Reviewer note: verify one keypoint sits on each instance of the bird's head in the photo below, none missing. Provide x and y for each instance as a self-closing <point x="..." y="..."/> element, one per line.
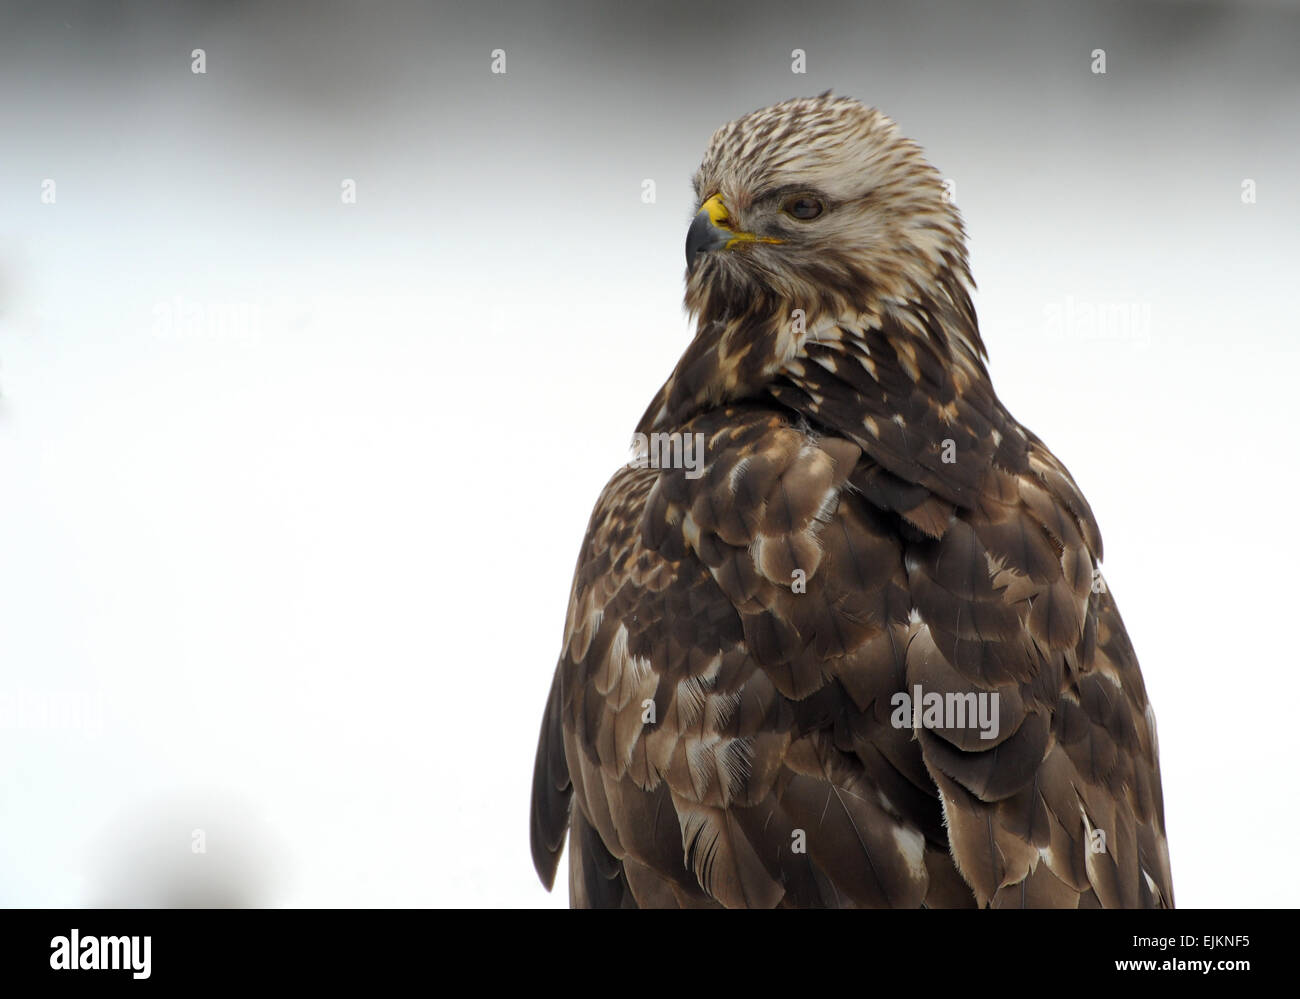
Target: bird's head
<point x="817" y="226"/>
<point x="818" y="203"/>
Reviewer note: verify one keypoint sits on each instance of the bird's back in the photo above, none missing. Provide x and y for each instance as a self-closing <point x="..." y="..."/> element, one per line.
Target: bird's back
<point x="727" y="713"/>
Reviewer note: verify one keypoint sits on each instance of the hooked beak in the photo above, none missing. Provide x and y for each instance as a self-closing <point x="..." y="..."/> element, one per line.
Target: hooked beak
<point x="711" y="231"/>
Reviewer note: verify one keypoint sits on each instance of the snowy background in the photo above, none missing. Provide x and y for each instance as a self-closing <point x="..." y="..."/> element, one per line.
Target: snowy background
<point x="291" y="489"/>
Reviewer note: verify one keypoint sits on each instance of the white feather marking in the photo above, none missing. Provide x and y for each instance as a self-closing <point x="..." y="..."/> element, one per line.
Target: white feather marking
<point x="911" y="844"/>
<point x="733" y="480"/>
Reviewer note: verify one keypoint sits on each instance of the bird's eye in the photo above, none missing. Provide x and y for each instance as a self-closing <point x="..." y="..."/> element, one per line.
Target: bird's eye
<point x="803" y="207"/>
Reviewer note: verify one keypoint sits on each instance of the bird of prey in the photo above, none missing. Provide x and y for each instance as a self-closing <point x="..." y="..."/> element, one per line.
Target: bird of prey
<point x="838" y="636"/>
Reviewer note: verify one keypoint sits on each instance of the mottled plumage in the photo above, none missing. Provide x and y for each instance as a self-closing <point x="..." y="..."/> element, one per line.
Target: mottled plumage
<point x="868" y="519"/>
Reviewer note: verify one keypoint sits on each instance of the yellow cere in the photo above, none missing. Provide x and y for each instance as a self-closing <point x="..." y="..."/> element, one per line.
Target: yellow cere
<point x="719" y="215"/>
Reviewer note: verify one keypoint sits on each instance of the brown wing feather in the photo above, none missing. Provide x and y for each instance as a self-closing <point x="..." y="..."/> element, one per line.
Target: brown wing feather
<point x="768" y="773"/>
<point x="1005" y="603"/>
<point x="728" y="734"/>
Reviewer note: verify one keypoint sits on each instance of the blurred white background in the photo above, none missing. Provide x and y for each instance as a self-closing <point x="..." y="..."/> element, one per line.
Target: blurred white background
<point x="291" y="489"/>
